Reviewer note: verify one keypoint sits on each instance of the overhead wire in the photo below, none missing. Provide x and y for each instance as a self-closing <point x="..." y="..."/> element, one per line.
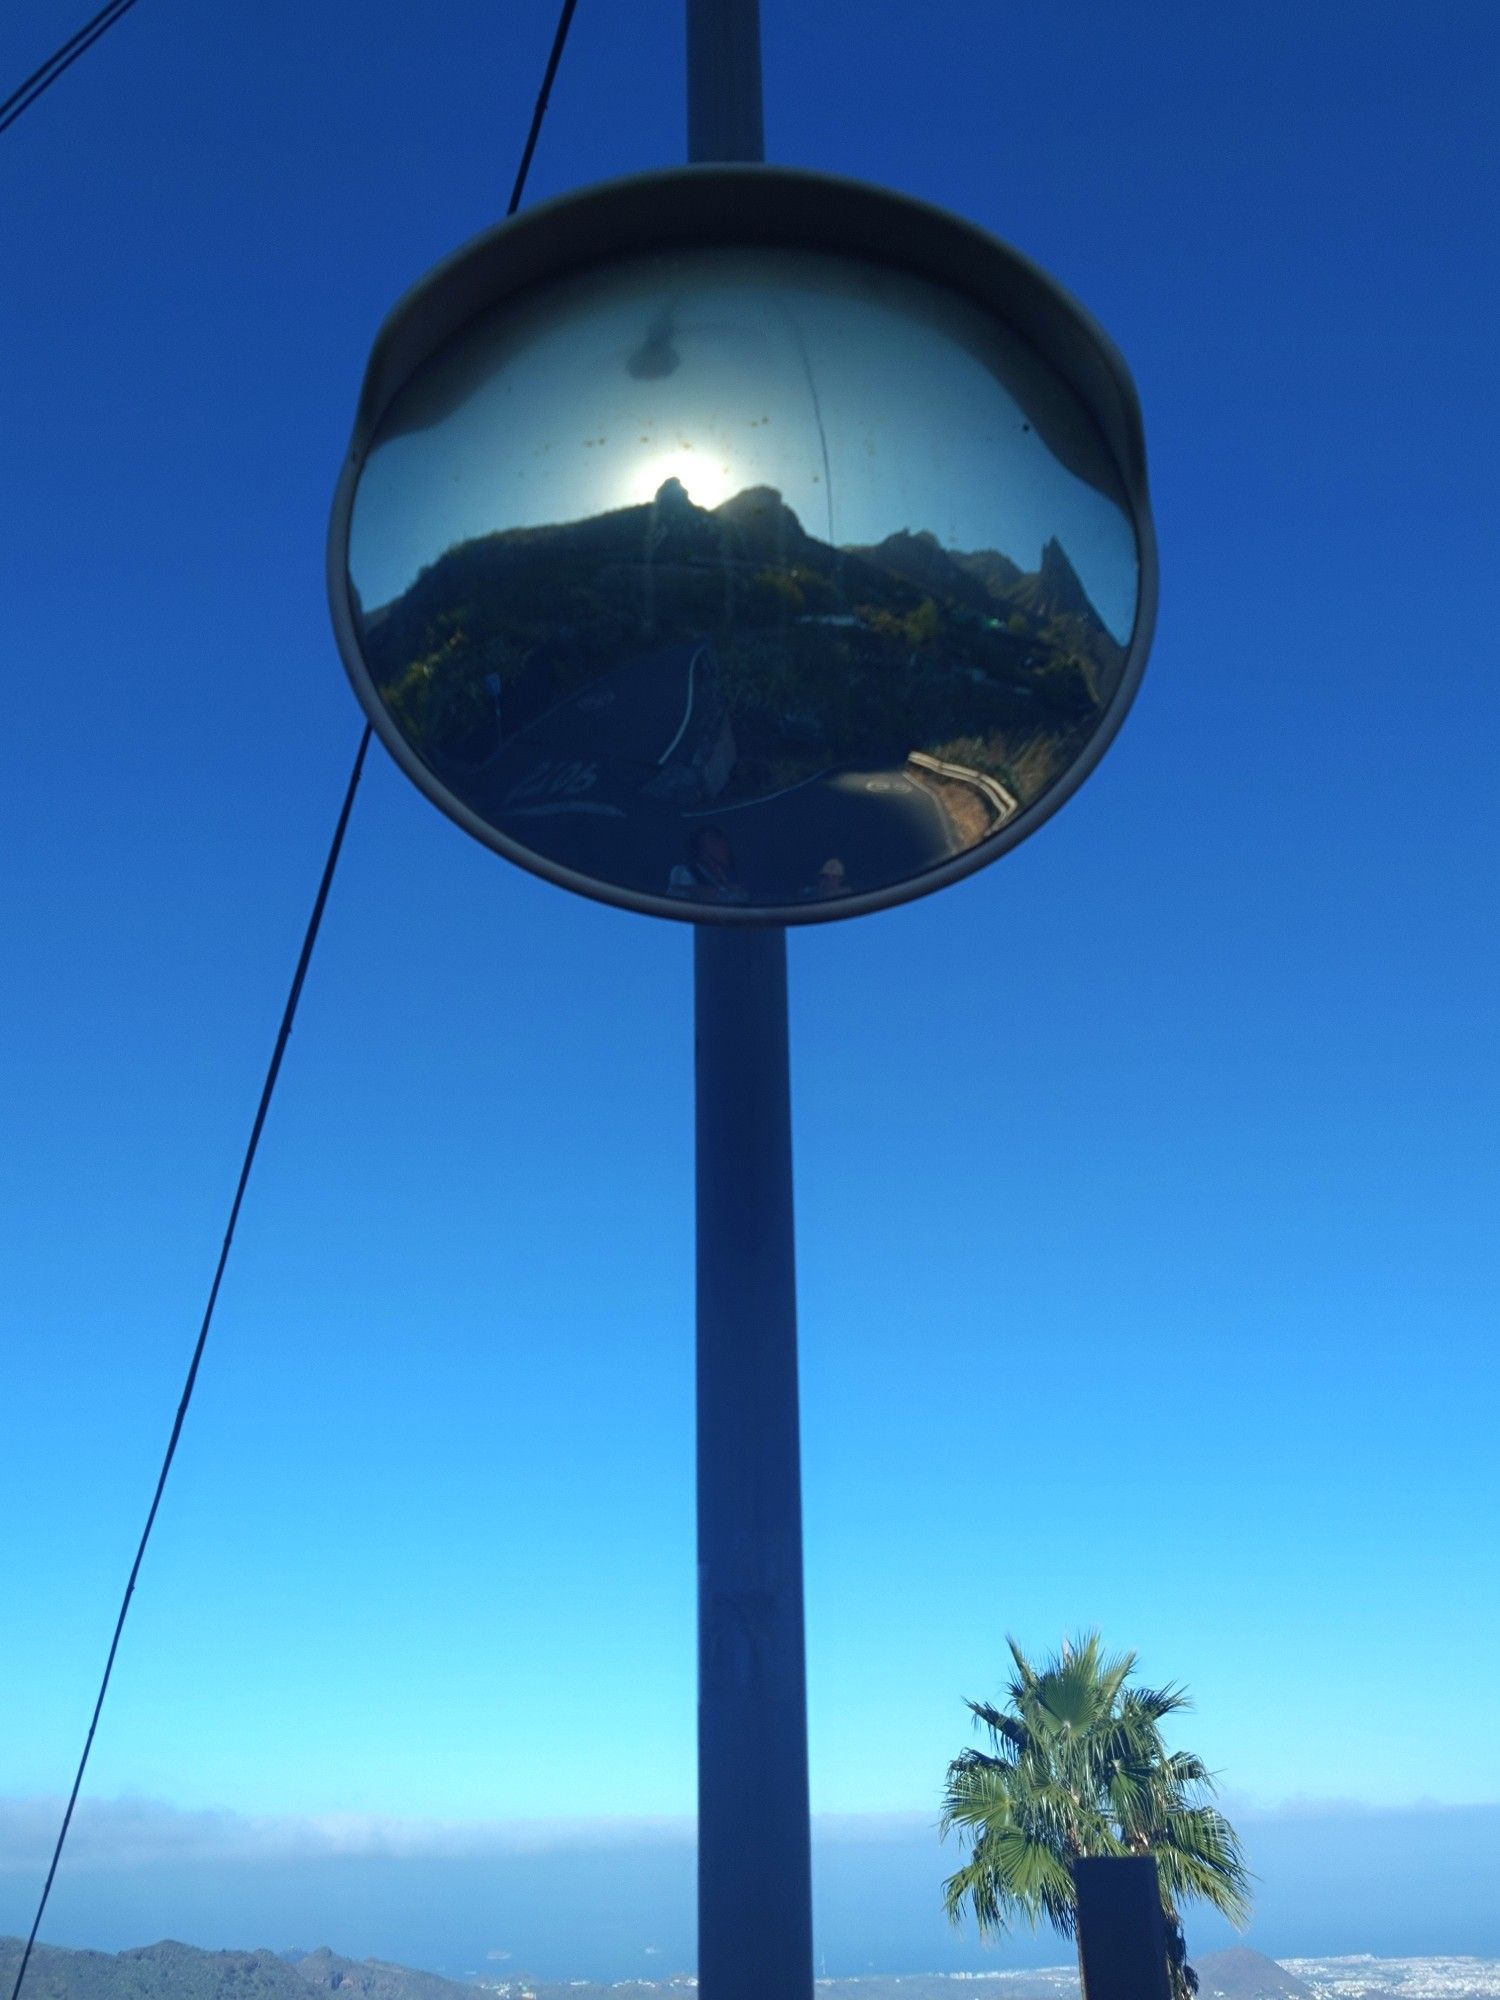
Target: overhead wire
<point x="289" y="1013"/>
<point x="273" y="1071"/>
<point x="46" y="74"/>
<point x="543" y="98"/>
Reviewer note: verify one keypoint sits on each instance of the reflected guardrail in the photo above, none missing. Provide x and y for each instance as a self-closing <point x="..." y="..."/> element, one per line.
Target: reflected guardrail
<point x="1005" y="803"/>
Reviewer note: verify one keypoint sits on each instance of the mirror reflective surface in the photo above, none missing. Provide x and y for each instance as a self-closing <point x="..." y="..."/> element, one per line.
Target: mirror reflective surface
<point x="742" y="576"/>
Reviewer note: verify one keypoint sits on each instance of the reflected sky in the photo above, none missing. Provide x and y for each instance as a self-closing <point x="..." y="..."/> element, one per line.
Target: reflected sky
<point x="870" y="400"/>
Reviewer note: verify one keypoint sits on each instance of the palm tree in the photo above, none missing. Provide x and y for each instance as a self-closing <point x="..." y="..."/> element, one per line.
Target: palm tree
<point x="1078" y="1767"/>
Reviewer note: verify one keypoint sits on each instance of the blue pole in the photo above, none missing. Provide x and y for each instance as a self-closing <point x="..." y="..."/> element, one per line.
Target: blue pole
<point x="754" y="1864"/>
<point x="723" y="80"/>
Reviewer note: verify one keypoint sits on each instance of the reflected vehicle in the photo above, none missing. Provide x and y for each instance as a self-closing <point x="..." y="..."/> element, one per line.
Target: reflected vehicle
<point x="742" y="576"/>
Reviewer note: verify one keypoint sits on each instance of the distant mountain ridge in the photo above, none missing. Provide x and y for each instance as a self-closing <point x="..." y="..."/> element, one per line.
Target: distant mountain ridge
<point x="173" y="1971"/>
<point x="756" y="527"/>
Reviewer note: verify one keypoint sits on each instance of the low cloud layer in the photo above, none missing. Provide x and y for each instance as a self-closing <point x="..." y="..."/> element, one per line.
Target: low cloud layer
<point x="137" y="1832"/>
<point x="602" y="1899"/>
<point x="134" y="1833"/>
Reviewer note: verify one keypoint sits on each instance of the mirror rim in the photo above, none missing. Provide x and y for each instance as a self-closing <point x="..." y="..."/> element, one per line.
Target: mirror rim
<point x="766" y="207"/>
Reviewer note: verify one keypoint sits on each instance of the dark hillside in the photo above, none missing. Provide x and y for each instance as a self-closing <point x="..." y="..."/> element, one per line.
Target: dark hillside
<point x="1242" y="1974"/>
<point x="824" y="657"/>
<point x="922" y="561"/>
<point x="374" y="1979"/>
<point x="165" y="1971"/>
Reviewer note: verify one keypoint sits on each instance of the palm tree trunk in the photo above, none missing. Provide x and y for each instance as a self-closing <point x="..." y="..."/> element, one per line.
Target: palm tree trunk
<point x="1183" y="1979"/>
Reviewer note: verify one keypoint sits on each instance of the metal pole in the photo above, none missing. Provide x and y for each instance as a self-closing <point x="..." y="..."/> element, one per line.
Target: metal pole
<point x="723" y="76"/>
<point x="754" y="1867"/>
<point x="754" y="1863"/>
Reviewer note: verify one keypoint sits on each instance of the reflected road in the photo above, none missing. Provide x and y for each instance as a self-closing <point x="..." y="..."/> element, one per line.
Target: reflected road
<point x="618" y="781"/>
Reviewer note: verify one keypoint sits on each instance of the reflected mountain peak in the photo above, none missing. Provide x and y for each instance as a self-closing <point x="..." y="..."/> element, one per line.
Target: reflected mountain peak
<point x="755" y="503"/>
<point x="1055" y="589"/>
<point x="949" y="575"/>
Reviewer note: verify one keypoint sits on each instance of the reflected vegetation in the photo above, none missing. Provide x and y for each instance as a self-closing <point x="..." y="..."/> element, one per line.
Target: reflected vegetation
<point x="741" y="576"/>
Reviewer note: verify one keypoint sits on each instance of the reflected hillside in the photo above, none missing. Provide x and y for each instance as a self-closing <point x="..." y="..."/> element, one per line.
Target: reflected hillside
<point x="798" y="658"/>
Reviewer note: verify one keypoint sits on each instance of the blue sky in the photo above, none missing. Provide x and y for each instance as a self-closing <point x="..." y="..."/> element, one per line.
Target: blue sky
<point x="1145" y="1181"/>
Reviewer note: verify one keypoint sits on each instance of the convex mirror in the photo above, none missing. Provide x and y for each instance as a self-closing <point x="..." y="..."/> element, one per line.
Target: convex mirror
<point x="738" y="544"/>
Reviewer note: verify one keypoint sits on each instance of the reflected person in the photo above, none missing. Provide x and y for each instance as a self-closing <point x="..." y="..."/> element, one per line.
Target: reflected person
<point x="830" y="880"/>
<point x="708" y="875"/>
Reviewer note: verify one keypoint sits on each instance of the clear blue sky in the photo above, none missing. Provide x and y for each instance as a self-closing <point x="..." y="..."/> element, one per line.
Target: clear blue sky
<point x="1146" y="1182"/>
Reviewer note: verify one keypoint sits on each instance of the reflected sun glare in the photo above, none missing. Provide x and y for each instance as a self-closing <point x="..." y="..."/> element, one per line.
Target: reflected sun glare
<point x="704" y="473"/>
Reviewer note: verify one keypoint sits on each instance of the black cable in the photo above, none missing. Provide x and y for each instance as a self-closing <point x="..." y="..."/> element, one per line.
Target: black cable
<point x="42" y="78"/>
<point x="46" y="74"/>
<point x="287" y="1017"/>
<point x="565" y="20"/>
<point x="56" y="55"/>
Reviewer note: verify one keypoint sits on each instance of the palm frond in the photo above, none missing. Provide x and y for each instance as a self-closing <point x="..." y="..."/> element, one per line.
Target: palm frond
<point x="1155" y="1703"/>
<point x="1003" y="1728"/>
<point x="1012" y="1877"/>
<point x="1184" y="1769"/>
<point x="1198" y="1855"/>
